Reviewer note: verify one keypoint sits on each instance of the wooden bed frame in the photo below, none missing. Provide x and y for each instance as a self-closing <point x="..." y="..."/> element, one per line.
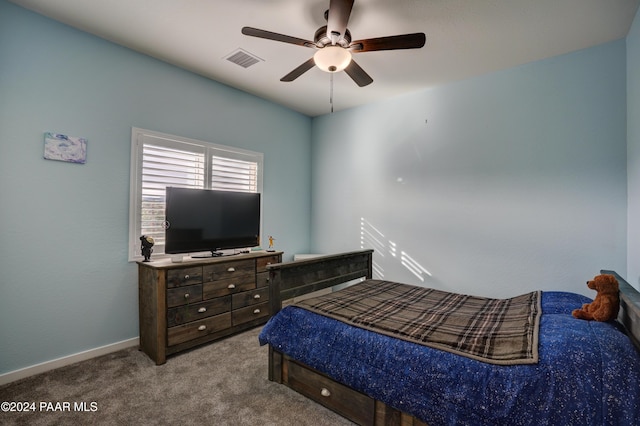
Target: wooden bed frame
<point x="293" y="279"/>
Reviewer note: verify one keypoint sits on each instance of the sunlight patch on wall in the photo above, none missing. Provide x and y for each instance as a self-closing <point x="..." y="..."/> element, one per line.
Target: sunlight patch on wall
<point x="377" y="270"/>
<point x="413" y="266"/>
<point x="372" y="238"/>
<point x="392" y="249"/>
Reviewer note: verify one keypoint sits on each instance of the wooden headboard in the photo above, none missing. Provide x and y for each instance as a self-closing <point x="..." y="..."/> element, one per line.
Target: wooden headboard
<point x="292" y="279"/>
<point x="629" y="315"/>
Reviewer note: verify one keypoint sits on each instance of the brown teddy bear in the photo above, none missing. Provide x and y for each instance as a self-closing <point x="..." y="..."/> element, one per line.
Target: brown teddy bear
<point x="607" y="302"/>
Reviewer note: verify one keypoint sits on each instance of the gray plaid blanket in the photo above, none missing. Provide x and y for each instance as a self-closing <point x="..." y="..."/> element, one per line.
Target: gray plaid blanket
<point x="497" y="331"/>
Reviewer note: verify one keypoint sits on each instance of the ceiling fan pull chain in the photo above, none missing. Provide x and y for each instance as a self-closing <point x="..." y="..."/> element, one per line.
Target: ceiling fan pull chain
<point x="331" y="91"/>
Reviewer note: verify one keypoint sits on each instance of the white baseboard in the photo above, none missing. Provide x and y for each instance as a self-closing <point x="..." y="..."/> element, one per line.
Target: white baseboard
<point x="12" y="376"/>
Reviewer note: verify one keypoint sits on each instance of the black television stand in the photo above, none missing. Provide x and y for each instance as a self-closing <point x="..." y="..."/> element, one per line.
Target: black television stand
<point x="213" y="254"/>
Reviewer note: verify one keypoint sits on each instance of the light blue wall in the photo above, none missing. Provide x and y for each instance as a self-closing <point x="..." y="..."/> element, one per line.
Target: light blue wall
<point x="633" y="151"/>
<point x="65" y="283"/>
<point x="496" y="185"/>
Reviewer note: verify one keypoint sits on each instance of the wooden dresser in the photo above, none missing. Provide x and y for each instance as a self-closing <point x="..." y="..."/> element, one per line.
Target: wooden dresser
<point x="182" y="305"/>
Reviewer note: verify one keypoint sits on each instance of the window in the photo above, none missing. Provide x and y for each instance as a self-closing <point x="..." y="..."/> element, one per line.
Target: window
<point x="159" y="160"/>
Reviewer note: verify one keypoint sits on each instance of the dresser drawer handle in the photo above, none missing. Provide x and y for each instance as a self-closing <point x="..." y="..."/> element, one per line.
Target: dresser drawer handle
<point x="202" y="328"/>
<point x="186" y="295"/>
<point x="231" y="286"/>
<point x="186" y="277"/>
<point x="325" y="392"/>
<point x="202" y="310"/>
<point x="256" y="311"/>
<point x="256" y="296"/>
<point x="231" y="269"/>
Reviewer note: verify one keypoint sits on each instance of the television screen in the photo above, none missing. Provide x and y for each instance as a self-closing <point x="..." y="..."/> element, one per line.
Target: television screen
<point x="200" y="220"/>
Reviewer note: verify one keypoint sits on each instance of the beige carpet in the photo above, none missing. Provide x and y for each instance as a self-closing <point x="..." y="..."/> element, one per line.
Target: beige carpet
<point x="223" y="383"/>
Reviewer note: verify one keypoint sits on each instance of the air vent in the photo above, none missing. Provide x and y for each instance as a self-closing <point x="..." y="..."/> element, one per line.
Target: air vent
<point x="243" y="58"/>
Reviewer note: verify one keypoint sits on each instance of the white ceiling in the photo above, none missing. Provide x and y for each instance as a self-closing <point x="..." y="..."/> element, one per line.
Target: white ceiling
<point x="465" y="38"/>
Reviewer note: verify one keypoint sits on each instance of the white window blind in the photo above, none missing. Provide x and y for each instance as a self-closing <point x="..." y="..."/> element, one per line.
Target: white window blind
<point x="160" y="160"/>
<point x="234" y="175"/>
<point x="162" y="167"/>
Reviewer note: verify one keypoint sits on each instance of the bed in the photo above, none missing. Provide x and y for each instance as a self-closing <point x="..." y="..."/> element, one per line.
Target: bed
<point x="582" y="372"/>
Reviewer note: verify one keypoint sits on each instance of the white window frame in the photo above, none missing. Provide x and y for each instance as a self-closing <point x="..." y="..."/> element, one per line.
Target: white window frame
<point x="141" y="136"/>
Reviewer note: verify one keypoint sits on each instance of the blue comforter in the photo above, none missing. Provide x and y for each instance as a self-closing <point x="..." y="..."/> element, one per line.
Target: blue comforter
<point x="588" y="374"/>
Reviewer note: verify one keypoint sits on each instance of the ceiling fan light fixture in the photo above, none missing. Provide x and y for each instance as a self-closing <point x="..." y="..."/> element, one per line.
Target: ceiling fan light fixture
<point x="332" y="58"/>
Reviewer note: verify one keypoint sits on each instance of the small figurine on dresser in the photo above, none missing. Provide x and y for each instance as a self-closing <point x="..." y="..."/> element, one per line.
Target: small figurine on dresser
<point x="271" y="240"/>
<point x="147" y="244"/>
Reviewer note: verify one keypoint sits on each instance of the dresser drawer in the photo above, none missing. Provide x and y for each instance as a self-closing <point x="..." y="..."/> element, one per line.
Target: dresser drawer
<point x="263" y="262"/>
<point x="196" y="329"/>
<point x="183" y="295"/>
<point x="229" y="269"/>
<point x="247" y="298"/>
<point x="184" y="276"/>
<point x="228" y="286"/>
<point x="196" y="311"/>
<point x="333" y="395"/>
<point x="262" y="279"/>
<point x="250" y="313"/>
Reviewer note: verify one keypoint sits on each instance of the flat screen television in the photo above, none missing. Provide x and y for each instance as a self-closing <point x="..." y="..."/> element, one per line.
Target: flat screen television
<point x="203" y="220"/>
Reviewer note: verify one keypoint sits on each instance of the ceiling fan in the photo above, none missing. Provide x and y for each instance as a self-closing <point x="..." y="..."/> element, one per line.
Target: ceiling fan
<point x="335" y="47"/>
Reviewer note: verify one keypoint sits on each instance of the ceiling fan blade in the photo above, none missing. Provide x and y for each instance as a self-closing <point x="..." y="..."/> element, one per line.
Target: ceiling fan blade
<point x="299" y="71"/>
<point x="357" y="74"/>
<point x="338" y="18"/>
<point x="255" y="32"/>
<point x="404" y="41"/>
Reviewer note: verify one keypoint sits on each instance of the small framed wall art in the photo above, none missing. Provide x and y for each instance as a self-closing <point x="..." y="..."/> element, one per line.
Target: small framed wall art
<point x="59" y="147"/>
